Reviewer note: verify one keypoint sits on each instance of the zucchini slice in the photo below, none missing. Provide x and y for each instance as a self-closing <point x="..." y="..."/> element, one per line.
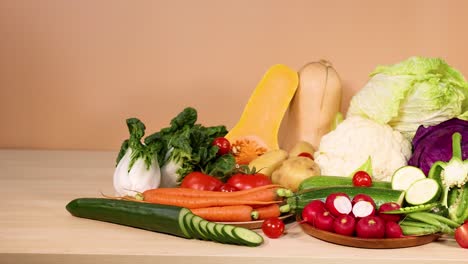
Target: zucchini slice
<point x="423" y="191"/>
<point x="405" y="176"/>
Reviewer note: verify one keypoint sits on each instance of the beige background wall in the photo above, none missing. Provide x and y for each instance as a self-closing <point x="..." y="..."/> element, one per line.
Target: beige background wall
<point x="71" y="72"/>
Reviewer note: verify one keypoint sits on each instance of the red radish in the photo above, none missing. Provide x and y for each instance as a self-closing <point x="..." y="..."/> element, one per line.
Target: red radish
<point x="363" y="197"/>
<point x="362" y="209"/>
<point x="324" y="221"/>
<point x="370" y="227"/>
<point x="393" y="230"/>
<point x="338" y="204"/>
<point x="390" y="206"/>
<point x="311" y="210"/>
<point x="344" y="225"/>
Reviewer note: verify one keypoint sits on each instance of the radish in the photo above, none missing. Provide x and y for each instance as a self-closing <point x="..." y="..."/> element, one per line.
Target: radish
<point x="363" y="197"/>
<point x="370" y="227"/>
<point x="324" y="221"/>
<point x="390" y="206"/>
<point x="338" y="204"/>
<point x="344" y="225"/>
<point x="362" y="209"/>
<point x="393" y="230"/>
<point x="311" y="210"/>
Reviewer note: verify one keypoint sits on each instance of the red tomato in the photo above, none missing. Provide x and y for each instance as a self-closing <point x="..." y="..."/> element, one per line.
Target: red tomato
<point x="223" y="145"/>
<point x="227" y="188"/>
<point x="461" y="235"/>
<point x="306" y="154"/>
<point x="248" y="181"/>
<point x="273" y="227"/>
<point x="362" y="178"/>
<point x="200" y="181"/>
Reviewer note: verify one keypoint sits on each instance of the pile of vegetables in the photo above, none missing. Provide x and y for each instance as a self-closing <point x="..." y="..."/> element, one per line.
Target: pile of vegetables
<point x="397" y="165"/>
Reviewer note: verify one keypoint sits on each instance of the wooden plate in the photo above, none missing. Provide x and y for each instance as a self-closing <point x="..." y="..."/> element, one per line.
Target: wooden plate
<point x="254" y="224"/>
<point x="368" y="242"/>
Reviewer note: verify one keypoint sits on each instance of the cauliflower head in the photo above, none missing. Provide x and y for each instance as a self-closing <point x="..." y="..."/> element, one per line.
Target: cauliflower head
<point x="347" y="147"/>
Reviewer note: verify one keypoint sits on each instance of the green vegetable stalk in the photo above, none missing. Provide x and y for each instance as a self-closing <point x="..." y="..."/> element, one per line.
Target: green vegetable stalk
<point x="453" y="177"/>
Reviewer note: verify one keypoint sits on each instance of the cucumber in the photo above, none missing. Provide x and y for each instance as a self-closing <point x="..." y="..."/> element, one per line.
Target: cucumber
<point x="405" y="176"/>
<point x="423" y="191"/>
<point x="188" y="226"/>
<point x="328" y="181"/>
<point x="155" y="217"/>
<point x="161" y="218"/>
<point x="229" y="234"/>
<point x="247" y="237"/>
<point x="195" y="225"/>
<point x="379" y="195"/>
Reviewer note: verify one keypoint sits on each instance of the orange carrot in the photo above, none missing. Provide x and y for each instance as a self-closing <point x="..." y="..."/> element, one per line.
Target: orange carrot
<point x="199" y="193"/>
<point x="199" y="202"/>
<point x="264" y="212"/>
<point x="231" y="213"/>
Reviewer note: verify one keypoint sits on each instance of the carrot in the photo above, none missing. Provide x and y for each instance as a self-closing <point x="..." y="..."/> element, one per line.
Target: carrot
<point x="199" y="202"/>
<point x="199" y="193"/>
<point x="268" y="211"/>
<point x="264" y="212"/>
<point x="231" y="213"/>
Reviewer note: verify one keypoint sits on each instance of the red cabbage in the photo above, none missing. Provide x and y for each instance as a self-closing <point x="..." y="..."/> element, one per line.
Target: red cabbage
<point x="434" y="143"/>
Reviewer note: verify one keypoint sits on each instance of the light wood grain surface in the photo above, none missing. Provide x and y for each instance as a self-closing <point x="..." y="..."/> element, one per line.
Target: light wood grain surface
<point x="36" y="228"/>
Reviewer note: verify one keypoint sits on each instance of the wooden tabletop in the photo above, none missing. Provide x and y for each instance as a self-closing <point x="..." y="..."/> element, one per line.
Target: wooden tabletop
<point x="36" y="228"/>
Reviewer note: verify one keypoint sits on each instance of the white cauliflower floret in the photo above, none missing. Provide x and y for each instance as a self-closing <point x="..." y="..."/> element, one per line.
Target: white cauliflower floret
<point x="346" y="148"/>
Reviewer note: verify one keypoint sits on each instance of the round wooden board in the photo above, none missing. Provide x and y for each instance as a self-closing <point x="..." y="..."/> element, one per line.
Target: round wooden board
<point x="372" y="243"/>
<point x="254" y="224"/>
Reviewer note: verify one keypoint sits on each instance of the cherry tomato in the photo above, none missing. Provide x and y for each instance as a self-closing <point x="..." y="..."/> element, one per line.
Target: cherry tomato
<point x="243" y="181"/>
<point x="200" y="181"/>
<point x="227" y="188"/>
<point x="273" y="227"/>
<point x="362" y="178"/>
<point x="461" y="235"/>
<point x="306" y="154"/>
<point x="223" y="145"/>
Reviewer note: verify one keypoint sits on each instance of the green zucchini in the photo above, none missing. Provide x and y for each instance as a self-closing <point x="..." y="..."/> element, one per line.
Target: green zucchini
<point x="166" y="219"/>
<point x="423" y="191"/>
<point x="379" y="195"/>
<point x="329" y="181"/>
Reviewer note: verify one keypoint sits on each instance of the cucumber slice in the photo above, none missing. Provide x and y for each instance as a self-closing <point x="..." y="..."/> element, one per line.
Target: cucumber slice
<point x="204" y="228"/>
<point x="219" y="231"/>
<point x="228" y="231"/>
<point x="423" y="191"/>
<point x="405" y="176"/>
<point x="211" y="229"/>
<point x="188" y="224"/>
<point x="247" y="237"/>
<point x="197" y="231"/>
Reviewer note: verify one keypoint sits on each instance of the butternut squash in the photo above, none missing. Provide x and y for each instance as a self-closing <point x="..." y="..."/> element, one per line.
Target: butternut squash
<point x="315" y="105"/>
<point x="257" y="130"/>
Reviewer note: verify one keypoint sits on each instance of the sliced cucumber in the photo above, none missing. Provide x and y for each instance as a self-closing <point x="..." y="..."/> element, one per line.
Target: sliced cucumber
<point x="422" y="191"/>
<point x="211" y="228"/>
<point x="188" y="225"/>
<point x="198" y="232"/>
<point x="228" y="231"/>
<point x="405" y="176"/>
<point x="247" y="237"/>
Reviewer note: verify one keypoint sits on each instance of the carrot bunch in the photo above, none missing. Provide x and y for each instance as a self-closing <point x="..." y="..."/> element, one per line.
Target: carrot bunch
<point x="246" y="205"/>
